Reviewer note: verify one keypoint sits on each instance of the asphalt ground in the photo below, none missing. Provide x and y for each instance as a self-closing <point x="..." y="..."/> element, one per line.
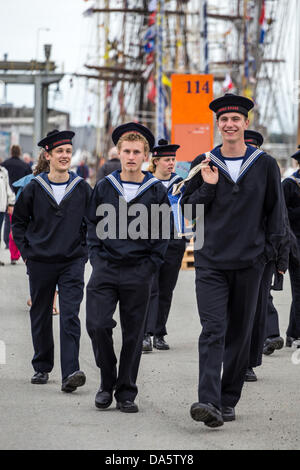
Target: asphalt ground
<point x="42" y="417"/>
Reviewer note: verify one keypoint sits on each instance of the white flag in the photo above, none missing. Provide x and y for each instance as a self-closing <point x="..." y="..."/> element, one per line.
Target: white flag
<point x="227" y="84"/>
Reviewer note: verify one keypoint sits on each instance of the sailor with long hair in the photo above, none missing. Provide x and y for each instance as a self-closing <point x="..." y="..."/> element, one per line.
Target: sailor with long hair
<point x="162" y="166"/>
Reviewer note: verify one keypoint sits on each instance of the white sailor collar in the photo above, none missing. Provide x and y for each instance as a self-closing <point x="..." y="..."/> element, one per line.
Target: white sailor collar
<point x="251" y="155"/>
<point x="115" y="180"/>
<point x="174" y="177"/>
<point x="44" y="182"/>
<point x="295" y="177"/>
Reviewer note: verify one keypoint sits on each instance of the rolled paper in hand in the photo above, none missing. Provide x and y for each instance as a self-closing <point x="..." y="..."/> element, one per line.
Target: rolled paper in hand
<point x="177" y="187"/>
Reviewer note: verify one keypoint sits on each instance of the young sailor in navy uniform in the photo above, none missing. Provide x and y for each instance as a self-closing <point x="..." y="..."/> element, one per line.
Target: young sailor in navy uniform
<point x="253" y="138"/>
<point x="243" y="223"/>
<point x="264" y="304"/>
<point x="162" y="167"/>
<point x="49" y="229"/>
<point x="291" y="188"/>
<point x="123" y="265"/>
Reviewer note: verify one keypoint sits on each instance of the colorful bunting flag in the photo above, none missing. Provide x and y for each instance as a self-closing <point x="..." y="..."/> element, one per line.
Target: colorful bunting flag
<point x="149" y="46"/>
<point x="227" y="84"/>
<point x="152" y="19"/>
<point x="152" y="90"/>
<point x="166" y="81"/>
<point x="262" y="22"/>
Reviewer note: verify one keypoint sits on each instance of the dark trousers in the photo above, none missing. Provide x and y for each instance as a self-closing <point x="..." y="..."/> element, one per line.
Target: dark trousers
<point x="272" y="323"/>
<point x="43" y="278"/>
<point x="226" y="302"/>
<point x="293" y="329"/>
<point x="130" y="286"/>
<point x="163" y="285"/>
<point x="6" y="229"/>
<point x="2" y="215"/>
<point x="260" y="319"/>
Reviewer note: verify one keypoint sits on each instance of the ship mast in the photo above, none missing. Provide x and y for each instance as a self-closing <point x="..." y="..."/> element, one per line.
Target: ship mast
<point x="147" y="41"/>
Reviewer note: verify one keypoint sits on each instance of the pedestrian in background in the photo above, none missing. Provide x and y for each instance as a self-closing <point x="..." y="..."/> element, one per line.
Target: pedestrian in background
<point x="113" y="163"/>
<point x="16" y="168"/>
<point x="27" y="158"/>
<point x="276" y="267"/>
<point x="7" y="198"/>
<point x="291" y="188"/>
<point x="42" y="166"/>
<point x="83" y="169"/>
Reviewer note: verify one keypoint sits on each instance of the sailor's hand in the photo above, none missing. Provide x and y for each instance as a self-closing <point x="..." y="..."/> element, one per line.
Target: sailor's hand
<point x="209" y="174"/>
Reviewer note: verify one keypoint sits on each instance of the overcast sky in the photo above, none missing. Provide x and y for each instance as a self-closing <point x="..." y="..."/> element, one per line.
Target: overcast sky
<point x="70" y="35"/>
<point x="73" y="38"/>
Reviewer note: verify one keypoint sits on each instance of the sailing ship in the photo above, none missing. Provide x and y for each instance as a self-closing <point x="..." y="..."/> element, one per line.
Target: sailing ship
<point x="244" y="44"/>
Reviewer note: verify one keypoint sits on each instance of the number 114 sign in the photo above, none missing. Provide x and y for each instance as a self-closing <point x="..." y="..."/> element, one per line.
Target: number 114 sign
<point x="192" y="120"/>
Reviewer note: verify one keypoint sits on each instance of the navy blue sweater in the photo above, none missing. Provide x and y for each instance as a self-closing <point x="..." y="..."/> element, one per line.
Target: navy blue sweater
<point x="45" y="231"/>
<point x="121" y="249"/>
<point x="243" y="220"/>
<point x="291" y="188"/>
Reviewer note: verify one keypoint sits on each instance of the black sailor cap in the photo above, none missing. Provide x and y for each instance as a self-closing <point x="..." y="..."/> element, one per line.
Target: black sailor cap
<point x="253" y="138"/>
<point x="296" y="155"/>
<point x="133" y="127"/>
<point x="230" y="103"/>
<point x="164" y="149"/>
<point x="56" y="138"/>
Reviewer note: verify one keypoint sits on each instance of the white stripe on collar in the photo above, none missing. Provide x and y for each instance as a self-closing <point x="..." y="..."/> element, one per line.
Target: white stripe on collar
<point x="118" y="186"/>
<point x="248" y="162"/>
<point x="244" y="166"/>
<point x="219" y="163"/>
<point x="172" y="181"/>
<point x="49" y="189"/>
<point x="72" y="185"/>
<point x="293" y="178"/>
<point x="147" y="185"/>
<point x="45" y="185"/>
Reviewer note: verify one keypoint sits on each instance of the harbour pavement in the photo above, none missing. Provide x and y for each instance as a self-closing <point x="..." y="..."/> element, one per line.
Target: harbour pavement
<point x="42" y="417"/>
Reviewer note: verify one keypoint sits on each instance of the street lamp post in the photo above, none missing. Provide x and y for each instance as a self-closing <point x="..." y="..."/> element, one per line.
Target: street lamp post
<point x="37" y="41"/>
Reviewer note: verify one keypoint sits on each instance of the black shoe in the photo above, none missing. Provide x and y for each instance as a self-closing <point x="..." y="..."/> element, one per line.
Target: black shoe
<point x="289" y="341"/>
<point x="228" y="413"/>
<point x="127" y="406"/>
<point x="295" y="343"/>
<point x="103" y="399"/>
<point x="40" y="378"/>
<point x="271" y="344"/>
<point x="250" y="375"/>
<point x="1" y="263"/>
<point x="147" y="344"/>
<point x="13" y="262"/>
<point x="159" y="343"/>
<point x="208" y="413"/>
<point x="77" y="379"/>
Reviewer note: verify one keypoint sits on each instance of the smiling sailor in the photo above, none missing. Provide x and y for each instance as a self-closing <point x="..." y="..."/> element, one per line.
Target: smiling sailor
<point x="49" y="229"/>
<point x="243" y="224"/>
<point x="124" y="261"/>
